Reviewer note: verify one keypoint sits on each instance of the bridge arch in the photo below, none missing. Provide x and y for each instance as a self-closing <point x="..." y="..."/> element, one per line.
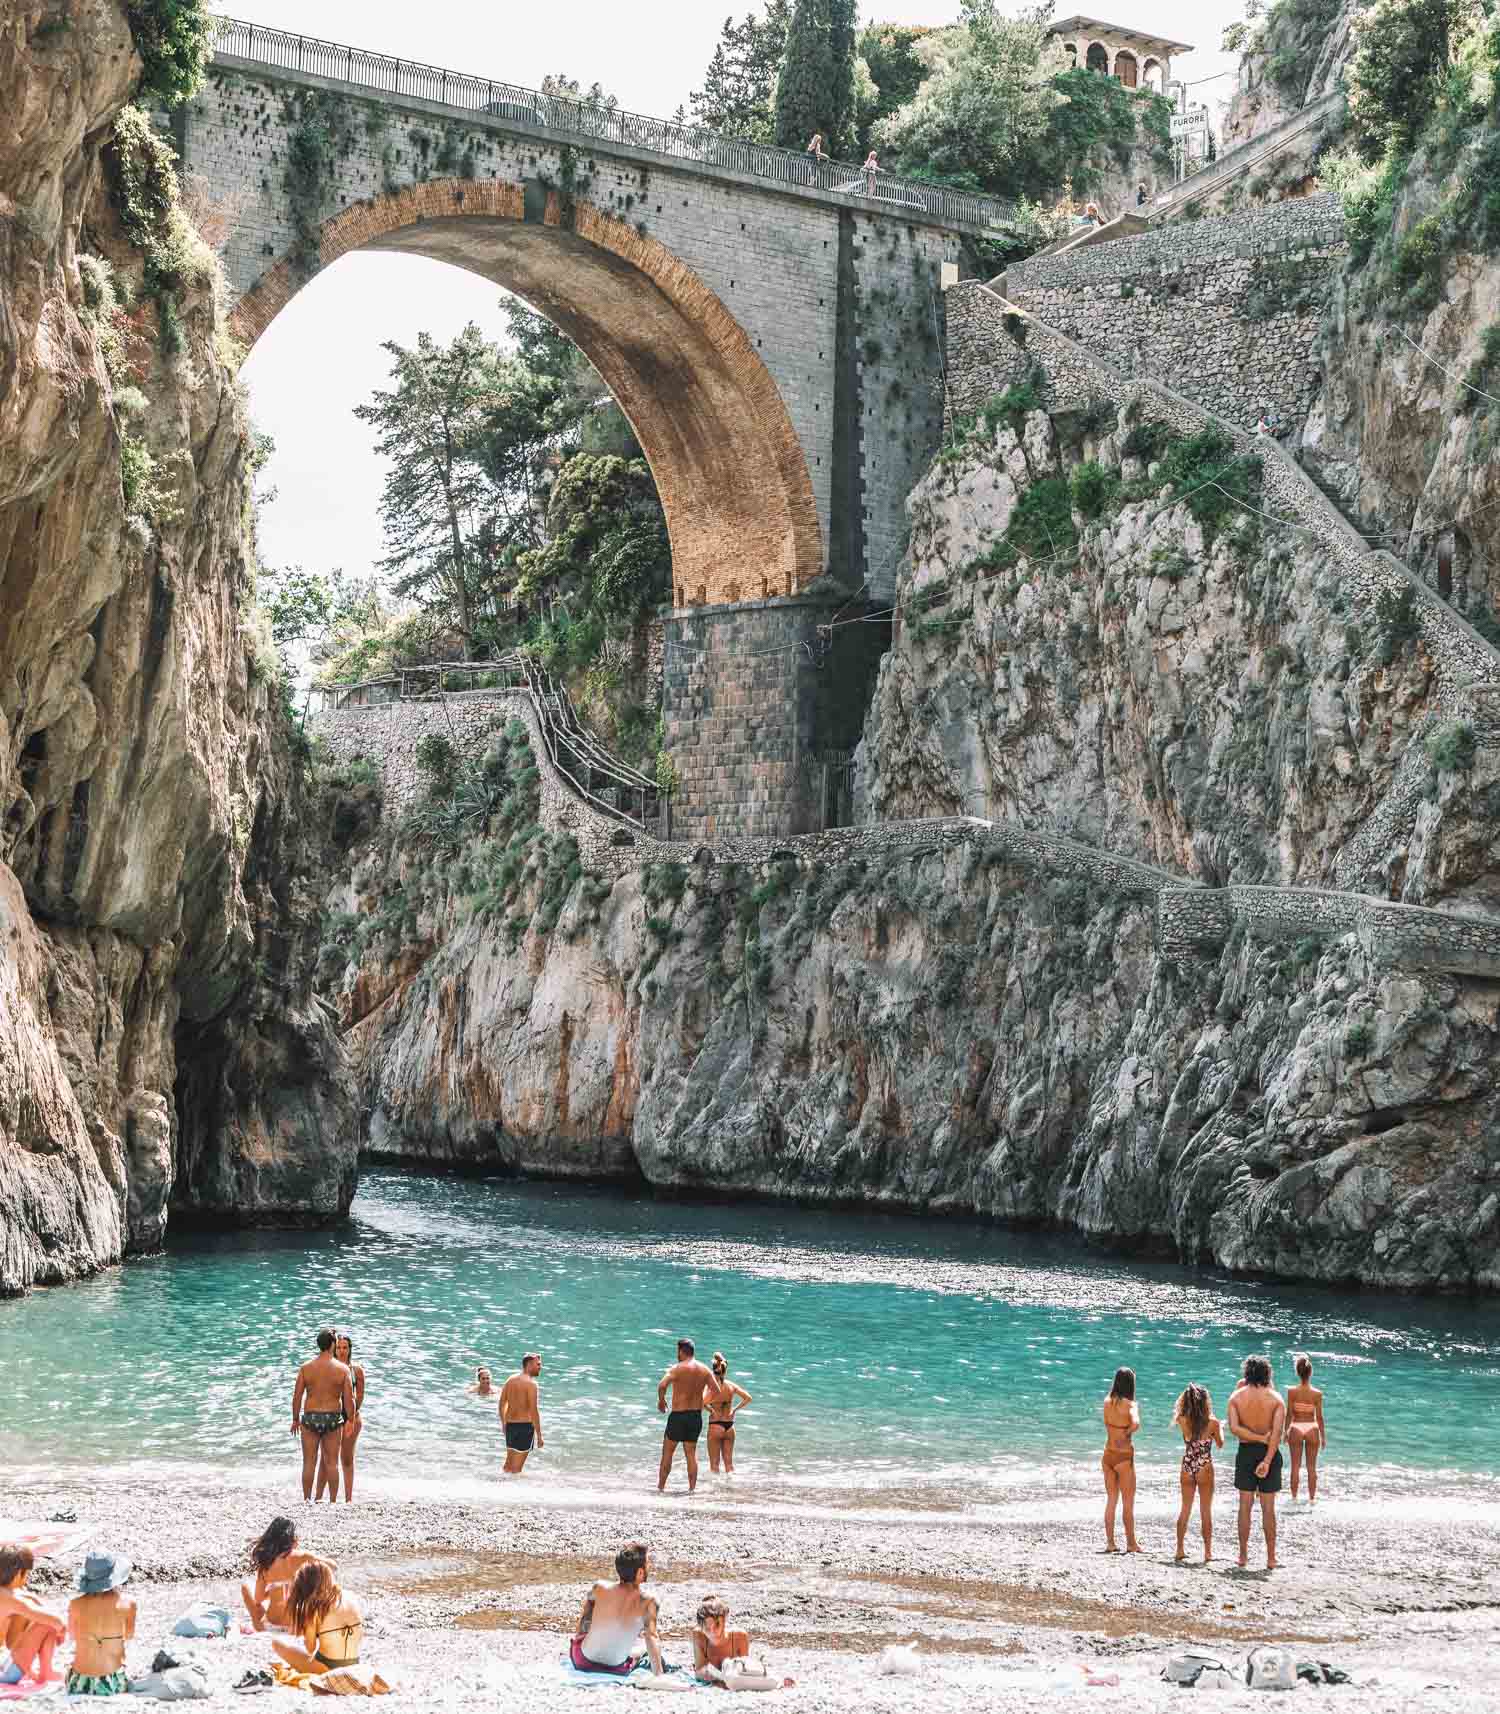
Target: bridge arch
<point x="730" y="470"/>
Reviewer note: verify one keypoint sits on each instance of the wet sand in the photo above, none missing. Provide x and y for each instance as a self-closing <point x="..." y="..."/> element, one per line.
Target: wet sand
<point x="469" y="1603"/>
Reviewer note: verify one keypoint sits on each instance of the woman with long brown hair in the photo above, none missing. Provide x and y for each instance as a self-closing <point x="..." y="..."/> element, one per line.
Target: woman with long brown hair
<point x="327" y="1621"/>
<point x="275" y="1560"/>
<point x="1122" y="1420"/>
<point x="1201" y="1432"/>
<point x="343" y="1349"/>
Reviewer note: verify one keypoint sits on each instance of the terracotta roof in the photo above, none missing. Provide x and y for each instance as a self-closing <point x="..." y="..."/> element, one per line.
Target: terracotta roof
<point x="1081" y="26"/>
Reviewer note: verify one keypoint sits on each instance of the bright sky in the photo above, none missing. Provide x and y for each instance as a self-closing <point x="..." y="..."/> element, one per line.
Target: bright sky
<point x="322" y="355"/>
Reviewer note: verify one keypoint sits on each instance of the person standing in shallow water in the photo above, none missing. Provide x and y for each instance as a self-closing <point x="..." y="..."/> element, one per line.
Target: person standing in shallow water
<point x="722" y="1411"/>
<point x="521" y="1414"/>
<point x="689" y="1380"/>
<point x="1122" y="1420"/>
<point x="343" y="1349"/>
<point x="1305" y="1433"/>
<point x="1257" y="1417"/>
<point x="322" y="1402"/>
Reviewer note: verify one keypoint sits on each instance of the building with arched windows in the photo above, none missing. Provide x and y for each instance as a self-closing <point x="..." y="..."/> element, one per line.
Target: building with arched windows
<point x="1138" y="60"/>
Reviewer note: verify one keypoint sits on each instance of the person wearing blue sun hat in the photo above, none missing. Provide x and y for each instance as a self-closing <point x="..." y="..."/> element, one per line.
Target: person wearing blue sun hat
<point x="101" y="1620"/>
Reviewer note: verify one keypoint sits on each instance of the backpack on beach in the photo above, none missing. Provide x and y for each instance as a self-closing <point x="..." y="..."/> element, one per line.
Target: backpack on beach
<point x="1188" y="1667"/>
<point x="1271" y="1669"/>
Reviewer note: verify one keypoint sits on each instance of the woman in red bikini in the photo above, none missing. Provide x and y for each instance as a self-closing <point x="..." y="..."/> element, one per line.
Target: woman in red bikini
<point x="1305" y="1432"/>
<point x="1122" y="1419"/>
<point x="1202" y="1432"/>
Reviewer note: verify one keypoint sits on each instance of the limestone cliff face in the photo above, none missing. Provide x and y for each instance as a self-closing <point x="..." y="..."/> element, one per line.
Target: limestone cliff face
<point x="950" y="1028"/>
<point x="154" y="952"/>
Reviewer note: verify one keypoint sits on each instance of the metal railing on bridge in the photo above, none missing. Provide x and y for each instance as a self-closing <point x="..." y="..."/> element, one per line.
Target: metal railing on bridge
<point x="568" y="119"/>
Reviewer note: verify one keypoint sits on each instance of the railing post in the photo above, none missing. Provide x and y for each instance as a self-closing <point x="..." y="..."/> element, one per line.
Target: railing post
<point x="349" y="65"/>
<point x="301" y="43"/>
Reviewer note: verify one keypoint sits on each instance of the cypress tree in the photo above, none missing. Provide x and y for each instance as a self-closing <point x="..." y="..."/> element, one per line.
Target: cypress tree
<point x="815" y="91"/>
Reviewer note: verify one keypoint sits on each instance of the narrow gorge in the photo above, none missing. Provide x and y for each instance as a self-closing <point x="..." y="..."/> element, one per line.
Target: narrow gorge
<point x="1167" y="910"/>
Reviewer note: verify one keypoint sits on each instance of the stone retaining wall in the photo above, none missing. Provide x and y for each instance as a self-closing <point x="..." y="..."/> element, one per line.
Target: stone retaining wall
<point x="1191" y="920"/>
<point x="1225" y="310"/>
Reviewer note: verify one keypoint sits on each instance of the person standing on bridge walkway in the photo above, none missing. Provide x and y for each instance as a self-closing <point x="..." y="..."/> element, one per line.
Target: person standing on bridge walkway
<point x="872" y="166"/>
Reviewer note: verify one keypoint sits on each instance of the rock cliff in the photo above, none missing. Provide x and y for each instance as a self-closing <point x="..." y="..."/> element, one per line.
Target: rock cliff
<point x="160" y="1046"/>
<point x="947" y="1027"/>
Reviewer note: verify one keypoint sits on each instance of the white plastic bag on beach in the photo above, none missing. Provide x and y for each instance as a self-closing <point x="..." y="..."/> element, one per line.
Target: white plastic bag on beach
<point x="899" y="1659"/>
<point x="1271" y="1669"/>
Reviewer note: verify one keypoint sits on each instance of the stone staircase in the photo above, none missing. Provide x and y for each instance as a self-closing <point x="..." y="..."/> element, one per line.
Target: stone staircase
<point x="1234" y="164"/>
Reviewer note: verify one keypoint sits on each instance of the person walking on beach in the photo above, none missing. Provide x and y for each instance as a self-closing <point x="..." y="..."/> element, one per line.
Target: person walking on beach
<point x="614" y="1616"/>
<point x="1201" y="1432"/>
<point x="1257" y="1417"/>
<point x="1122" y="1419"/>
<point x="520" y="1414"/>
<point x="343" y="1349"/>
<point x="689" y="1380"/>
<point x="722" y="1411"/>
<point x="322" y="1402"/>
<point x="1305" y="1433"/>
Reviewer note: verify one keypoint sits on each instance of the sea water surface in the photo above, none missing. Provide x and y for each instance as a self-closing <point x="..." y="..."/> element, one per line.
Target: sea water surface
<point x="890" y="1359"/>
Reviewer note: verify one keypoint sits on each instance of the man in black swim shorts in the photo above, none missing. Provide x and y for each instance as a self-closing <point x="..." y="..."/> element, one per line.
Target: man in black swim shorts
<point x="322" y="1402"/>
<point x="521" y="1414"/>
<point x="689" y="1381"/>
<point x="1257" y="1419"/>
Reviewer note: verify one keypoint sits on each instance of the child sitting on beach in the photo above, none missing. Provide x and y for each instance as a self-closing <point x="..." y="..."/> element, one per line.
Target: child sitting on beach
<point x="715" y="1646"/>
<point x="100" y="1622"/>
<point x="28" y="1631"/>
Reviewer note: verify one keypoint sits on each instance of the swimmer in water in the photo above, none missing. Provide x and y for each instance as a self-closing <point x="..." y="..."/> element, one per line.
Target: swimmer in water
<point x="484" y="1384"/>
<point x="1305" y="1432"/>
<point x="1122" y="1419"/>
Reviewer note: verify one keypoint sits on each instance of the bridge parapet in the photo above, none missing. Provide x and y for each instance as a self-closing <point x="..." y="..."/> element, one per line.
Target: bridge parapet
<point x="564" y="119"/>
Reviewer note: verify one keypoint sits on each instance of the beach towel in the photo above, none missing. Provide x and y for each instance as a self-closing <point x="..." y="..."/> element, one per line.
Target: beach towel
<point x="289" y="1678"/>
<point x="350" y="1681"/>
<point x="202" y="1620"/>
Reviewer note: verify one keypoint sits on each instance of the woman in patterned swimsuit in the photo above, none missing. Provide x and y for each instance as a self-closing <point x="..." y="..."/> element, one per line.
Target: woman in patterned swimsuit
<point x="1202" y="1432"/>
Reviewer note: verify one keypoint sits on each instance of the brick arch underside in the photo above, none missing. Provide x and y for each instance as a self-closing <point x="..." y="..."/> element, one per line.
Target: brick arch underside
<point x="730" y="470"/>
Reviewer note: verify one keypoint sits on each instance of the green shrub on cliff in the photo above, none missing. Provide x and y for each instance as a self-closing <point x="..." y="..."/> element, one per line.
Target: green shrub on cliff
<point x="175" y="40"/>
<point x="1451" y="748"/>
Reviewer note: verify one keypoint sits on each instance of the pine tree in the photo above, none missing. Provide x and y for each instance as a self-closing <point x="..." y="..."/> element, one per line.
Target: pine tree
<point x="815" y="91"/>
<point x="740" y="83"/>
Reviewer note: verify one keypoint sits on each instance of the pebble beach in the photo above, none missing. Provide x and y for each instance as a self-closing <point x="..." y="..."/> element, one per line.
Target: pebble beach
<point x="469" y="1604"/>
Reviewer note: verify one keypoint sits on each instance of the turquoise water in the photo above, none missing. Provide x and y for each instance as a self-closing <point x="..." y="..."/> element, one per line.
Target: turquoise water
<point x="883" y="1353"/>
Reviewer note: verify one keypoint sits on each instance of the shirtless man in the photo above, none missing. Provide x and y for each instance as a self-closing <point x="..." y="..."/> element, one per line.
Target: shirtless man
<point x="520" y="1415"/>
<point x="689" y="1381"/>
<point x="1257" y="1419"/>
<point x="614" y="1616"/>
<point x="322" y="1402"/>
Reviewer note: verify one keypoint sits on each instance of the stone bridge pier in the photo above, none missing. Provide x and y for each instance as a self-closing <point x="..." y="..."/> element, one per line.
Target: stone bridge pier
<point x="770" y="325"/>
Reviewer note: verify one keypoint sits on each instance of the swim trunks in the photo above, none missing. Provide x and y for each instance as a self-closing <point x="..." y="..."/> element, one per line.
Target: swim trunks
<point x="322" y="1421"/>
<point x="104" y="1684"/>
<point x="582" y="1663"/>
<point x="1246" y="1462"/>
<point x="519" y="1435"/>
<point x="685" y="1425"/>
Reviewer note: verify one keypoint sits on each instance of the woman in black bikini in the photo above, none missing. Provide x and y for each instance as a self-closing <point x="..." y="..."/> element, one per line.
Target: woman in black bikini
<point x="327" y="1621"/>
<point x="722" y="1411"/>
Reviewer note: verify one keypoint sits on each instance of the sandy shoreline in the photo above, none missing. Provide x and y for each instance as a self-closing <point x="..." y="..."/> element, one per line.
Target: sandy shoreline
<point x="468" y="1603"/>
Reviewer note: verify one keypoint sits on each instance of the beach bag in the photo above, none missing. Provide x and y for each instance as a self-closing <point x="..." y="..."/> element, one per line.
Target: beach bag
<point x="1189" y="1666"/>
<point x="1271" y="1669"/>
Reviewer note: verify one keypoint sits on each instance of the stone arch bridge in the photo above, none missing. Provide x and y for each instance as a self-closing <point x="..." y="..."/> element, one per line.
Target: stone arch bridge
<point x="770" y="324"/>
